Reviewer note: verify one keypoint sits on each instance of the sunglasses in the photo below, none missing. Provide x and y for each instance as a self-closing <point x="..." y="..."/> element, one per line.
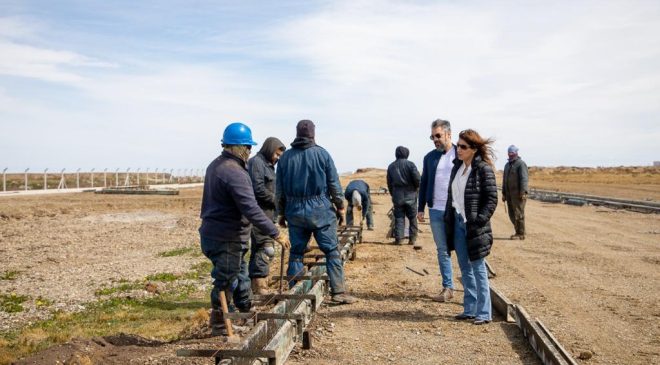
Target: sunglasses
<point x="435" y="136"/>
<point x="463" y="146"/>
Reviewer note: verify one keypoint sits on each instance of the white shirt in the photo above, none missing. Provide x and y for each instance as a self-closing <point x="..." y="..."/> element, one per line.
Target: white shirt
<point x="442" y="175"/>
<point x="458" y="189"/>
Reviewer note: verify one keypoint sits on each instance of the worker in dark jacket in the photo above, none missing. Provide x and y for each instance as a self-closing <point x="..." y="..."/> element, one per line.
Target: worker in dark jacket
<point x="514" y="191"/>
<point x="261" y="168"/>
<point x="403" y="182"/>
<point x="358" y="196"/>
<point x="471" y="202"/>
<point x="309" y="198"/>
<point x="228" y="210"/>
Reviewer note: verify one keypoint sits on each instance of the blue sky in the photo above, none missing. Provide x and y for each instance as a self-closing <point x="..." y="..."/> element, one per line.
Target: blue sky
<point x="112" y="84"/>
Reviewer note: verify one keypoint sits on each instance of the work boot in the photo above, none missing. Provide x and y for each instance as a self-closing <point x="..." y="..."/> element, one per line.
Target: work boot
<point x="445" y="295"/>
<point x="370" y="228"/>
<point x="344" y="298"/>
<point x="517" y="237"/>
<point x="260" y="286"/>
<point x="411" y="240"/>
<point x="397" y="242"/>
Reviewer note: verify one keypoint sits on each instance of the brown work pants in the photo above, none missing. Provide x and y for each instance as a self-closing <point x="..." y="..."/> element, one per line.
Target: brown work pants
<point x="516" y="207"/>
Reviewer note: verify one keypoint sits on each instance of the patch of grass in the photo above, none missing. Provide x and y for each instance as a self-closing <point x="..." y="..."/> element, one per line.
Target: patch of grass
<point x="177" y="252"/>
<point x="121" y="288"/>
<point x="162" y="318"/>
<point x="202" y="268"/>
<point x="9" y="275"/>
<point x="163" y="276"/>
<point x="12" y="303"/>
<point x="42" y="302"/>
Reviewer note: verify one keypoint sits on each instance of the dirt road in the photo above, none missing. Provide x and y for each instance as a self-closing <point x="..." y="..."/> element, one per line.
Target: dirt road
<point x="590" y="274"/>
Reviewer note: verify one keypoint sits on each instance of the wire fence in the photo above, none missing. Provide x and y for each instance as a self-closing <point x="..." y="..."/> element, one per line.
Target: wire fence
<point x="49" y="180"/>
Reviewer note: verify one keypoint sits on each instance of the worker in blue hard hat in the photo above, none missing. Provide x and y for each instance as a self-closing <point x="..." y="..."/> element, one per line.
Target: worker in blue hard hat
<point x="229" y="209"/>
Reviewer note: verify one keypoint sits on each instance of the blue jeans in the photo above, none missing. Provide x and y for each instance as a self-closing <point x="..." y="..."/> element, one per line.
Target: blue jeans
<point x="437" y="221"/>
<point x="367" y="213"/>
<point x="315" y="217"/>
<point x="476" y="294"/>
<point x="229" y="271"/>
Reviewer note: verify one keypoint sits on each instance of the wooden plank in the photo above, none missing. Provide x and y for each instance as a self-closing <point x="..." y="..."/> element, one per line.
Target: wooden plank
<point x="502" y="304"/>
<point x="540" y="343"/>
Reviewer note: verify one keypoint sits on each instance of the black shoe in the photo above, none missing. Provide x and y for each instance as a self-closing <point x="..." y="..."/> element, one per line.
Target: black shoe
<point x="463" y="317"/>
<point x="397" y="242"/>
<point x="479" y="322"/>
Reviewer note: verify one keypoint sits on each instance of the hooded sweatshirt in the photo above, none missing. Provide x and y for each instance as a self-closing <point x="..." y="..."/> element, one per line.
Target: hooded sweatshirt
<point x="262" y="174"/>
<point x="402" y="177"/>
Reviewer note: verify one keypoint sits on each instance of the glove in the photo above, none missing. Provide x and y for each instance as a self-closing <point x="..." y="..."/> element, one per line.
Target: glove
<point x="283" y="240"/>
<point x="340" y="216"/>
<point x="282" y="222"/>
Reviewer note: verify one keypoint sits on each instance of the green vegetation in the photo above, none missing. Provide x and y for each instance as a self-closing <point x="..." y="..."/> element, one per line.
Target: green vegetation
<point x="177" y="252"/>
<point x="163" y="276"/>
<point x="12" y="303"/>
<point x="9" y="275"/>
<point x="163" y="316"/>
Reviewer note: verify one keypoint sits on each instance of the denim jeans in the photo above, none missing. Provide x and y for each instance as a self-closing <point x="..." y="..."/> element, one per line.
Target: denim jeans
<point x="367" y="212"/>
<point x="315" y="217"/>
<point x="229" y="271"/>
<point x="437" y="221"/>
<point x="476" y="290"/>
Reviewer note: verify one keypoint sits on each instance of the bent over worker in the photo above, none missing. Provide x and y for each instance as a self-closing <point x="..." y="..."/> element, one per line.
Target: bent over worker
<point x="309" y="197"/>
<point x="261" y="168"/>
<point x="514" y="191"/>
<point x="358" y="196"/>
<point x="228" y="209"/>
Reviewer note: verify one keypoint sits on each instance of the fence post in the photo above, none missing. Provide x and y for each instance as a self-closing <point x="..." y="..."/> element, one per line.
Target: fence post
<point x="117" y="177"/>
<point x="105" y="180"/>
<point x="26" y="178"/>
<point x="156" y="175"/>
<point x="138" y="176"/>
<point x="46" y="179"/>
<point x="92" y="177"/>
<point x="78" y="178"/>
<point x="163" y="176"/>
<point x="127" y="181"/>
<point x="4" y="179"/>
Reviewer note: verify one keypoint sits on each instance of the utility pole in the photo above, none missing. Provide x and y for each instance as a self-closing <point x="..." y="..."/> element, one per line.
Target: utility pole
<point x="105" y="180"/>
<point x="78" y="178"/>
<point x="4" y="179"/>
<point x="138" y="176"/>
<point x="26" y="178"/>
<point x="92" y="177"/>
<point x="117" y="177"/>
<point x="46" y="179"/>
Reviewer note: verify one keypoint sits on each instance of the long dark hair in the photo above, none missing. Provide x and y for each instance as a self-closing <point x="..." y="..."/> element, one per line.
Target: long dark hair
<point x="483" y="146"/>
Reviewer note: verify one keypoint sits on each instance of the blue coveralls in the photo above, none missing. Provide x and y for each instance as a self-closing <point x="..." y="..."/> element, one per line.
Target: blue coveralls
<point x="307" y="191"/>
<point x="363" y="188"/>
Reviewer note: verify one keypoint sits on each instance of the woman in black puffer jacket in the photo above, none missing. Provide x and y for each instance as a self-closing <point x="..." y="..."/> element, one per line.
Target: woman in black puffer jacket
<point x="470" y="205"/>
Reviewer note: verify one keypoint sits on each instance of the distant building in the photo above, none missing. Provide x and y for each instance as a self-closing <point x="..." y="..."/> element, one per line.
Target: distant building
<point x="656" y="163"/>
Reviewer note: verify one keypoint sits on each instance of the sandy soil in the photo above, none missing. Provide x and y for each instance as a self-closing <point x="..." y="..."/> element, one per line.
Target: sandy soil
<point x="590" y="274"/>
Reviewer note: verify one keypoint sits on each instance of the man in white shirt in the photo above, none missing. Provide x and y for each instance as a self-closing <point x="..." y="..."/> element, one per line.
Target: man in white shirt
<point x="433" y="192"/>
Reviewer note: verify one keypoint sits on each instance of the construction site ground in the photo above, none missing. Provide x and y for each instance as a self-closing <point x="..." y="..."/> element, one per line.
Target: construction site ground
<point x="590" y="274"/>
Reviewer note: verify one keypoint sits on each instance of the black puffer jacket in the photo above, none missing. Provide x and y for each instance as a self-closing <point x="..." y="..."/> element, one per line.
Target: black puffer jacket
<point x="403" y="178"/>
<point x="480" y="204"/>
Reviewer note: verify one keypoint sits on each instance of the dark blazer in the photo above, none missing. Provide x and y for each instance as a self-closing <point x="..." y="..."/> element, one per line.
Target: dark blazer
<point x="480" y="203"/>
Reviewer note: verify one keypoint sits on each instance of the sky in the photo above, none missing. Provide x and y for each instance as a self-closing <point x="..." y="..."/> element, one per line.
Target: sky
<point x="153" y="84"/>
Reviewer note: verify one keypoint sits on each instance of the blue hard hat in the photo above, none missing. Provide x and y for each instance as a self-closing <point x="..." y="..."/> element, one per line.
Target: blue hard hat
<point x="238" y="134"/>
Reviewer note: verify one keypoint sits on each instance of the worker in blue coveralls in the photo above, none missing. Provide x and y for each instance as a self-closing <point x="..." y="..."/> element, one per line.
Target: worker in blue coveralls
<point x="358" y="196"/>
<point x="229" y="209"/>
<point x="309" y="198"/>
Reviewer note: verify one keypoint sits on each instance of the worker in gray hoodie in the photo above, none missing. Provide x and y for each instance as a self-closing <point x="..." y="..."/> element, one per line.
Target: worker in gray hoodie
<point x="261" y="168"/>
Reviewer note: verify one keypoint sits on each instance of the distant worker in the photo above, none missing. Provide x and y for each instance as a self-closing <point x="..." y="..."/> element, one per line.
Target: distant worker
<point x="471" y="202"/>
<point x="228" y="208"/>
<point x="515" y="190"/>
<point x="433" y="191"/>
<point x="309" y="198"/>
<point x="402" y="183"/>
<point x="358" y="196"/>
<point x="261" y="168"/>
